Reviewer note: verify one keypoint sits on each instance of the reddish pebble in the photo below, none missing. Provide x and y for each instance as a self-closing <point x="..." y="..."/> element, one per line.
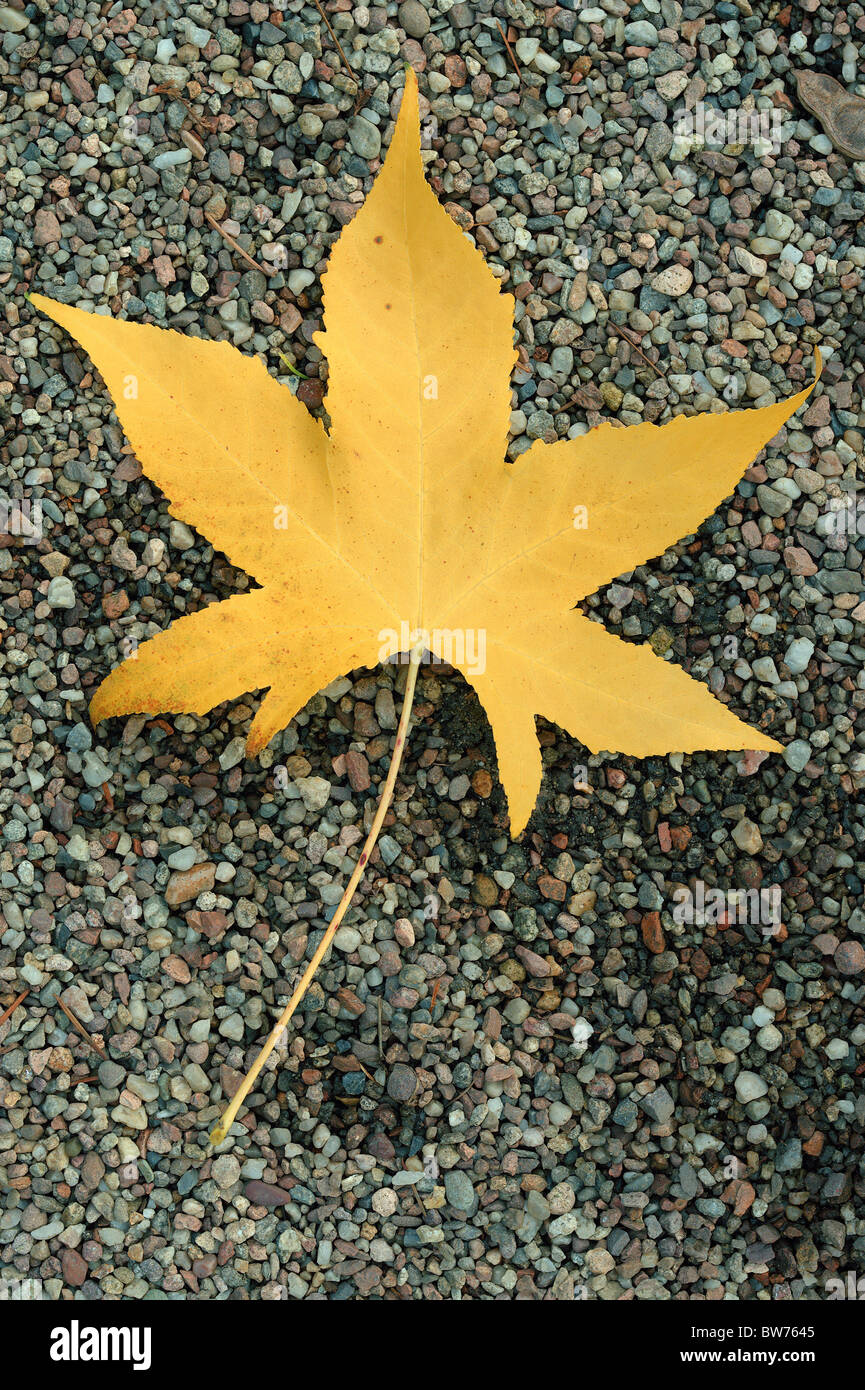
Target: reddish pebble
<point x="74" y="1268"/>
<point x="653" y="936"/>
<point x="850" y="958"/>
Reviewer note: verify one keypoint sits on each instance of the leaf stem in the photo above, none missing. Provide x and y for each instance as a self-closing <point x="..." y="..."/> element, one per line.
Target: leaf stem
<point x="220" y="1133"/>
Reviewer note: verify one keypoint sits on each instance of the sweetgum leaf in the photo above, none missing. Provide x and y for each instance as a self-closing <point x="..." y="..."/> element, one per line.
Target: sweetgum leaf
<point x="406" y="520"/>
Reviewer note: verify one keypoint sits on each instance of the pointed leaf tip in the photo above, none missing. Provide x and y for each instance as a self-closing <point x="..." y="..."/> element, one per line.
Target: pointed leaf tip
<point x="409" y="107"/>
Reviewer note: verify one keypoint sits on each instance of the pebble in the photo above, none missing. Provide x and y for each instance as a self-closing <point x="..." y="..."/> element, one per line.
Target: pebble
<point x="747" y="837"/>
<point x="314" y="791"/>
<point x="61" y="594"/>
<point x="401" y="1083"/>
<point x="797" y="754"/>
<point x="850" y="958"/>
<point x="769" y="1037"/>
<point x="459" y="1190"/>
<point x="226" y="1172"/>
<point x="675" y="281"/>
<point x="365" y="137"/>
<point x="798" y="655"/>
<point x="750" y="1086"/>
<point x="658" y="1105"/>
<point x="414" y="19"/>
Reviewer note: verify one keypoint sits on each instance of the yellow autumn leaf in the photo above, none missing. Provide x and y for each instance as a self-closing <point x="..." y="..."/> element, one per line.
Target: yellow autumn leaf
<point x="404" y="521"/>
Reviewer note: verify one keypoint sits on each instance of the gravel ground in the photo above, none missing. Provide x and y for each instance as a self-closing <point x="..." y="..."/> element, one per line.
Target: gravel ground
<point x="518" y="1076"/>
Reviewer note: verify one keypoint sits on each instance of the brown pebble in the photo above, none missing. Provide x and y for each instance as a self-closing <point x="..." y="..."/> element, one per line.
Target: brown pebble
<point x="357" y="770"/>
<point x="92" y="1169"/>
<point x="401" y="1082"/>
<point x="552" y="888"/>
<point x="78" y="85"/>
<point x="209" y="924"/>
<point x="350" y="1002"/>
<point x="265" y="1194"/>
<point x="311" y="392"/>
<point x="177" y="969"/>
<point x="484" y="890"/>
<point x="539" y="967"/>
<point x="188" y="883"/>
<point x="46" y="228"/>
<point x="74" y="1268"/>
<point x="850" y="958"/>
<point x="482" y="783"/>
<point x="798" y="561"/>
<point x="115" y="603"/>
<point x="652" y="932"/>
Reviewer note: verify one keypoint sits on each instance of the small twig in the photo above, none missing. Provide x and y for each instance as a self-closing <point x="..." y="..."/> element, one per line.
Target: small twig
<point x="336" y="40"/>
<point x="220" y="1132"/>
<point x="620" y="328"/>
<point x="235" y="246"/>
<point x="617" y="329"/>
<point x="380" y="1035"/>
<point x="510" y="51"/>
<point x="206" y="123"/>
<point x="7" y="1013"/>
<point x="81" y="1029"/>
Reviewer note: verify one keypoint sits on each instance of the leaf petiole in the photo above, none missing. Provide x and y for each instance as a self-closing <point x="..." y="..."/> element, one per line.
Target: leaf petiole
<point x="220" y="1132"/>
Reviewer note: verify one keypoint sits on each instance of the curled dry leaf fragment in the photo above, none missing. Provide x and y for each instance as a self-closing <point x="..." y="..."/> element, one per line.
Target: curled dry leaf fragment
<point x="841" y="113"/>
